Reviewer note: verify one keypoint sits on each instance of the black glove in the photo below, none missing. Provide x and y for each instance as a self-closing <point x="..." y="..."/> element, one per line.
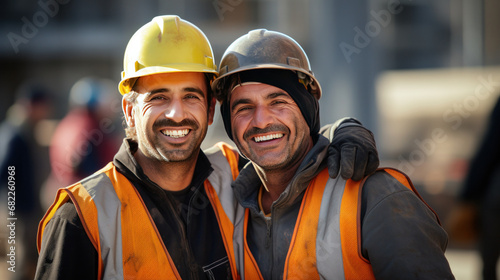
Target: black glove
<point x="353" y="151"/>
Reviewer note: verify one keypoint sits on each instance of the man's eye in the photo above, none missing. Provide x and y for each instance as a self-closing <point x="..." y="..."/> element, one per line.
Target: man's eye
<point x="275" y="102"/>
<point x="192" y="96"/>
<point x="157" y="97"/>
<point x="242" y="108"/>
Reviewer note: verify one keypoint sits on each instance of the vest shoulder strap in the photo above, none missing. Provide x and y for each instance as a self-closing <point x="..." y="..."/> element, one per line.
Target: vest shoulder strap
<point x="405" y="180"/>
<point x="231" y="156"/>
<point x="251" y="268"/>
<point x="140" y="237"/>
<point x="301" y="259"/>
<point x="124" y="235"/>
<point x="355" y="265"/>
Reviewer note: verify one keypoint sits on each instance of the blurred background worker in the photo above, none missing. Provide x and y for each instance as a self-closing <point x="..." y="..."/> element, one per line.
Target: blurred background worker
<point x="21" y="149"/>
<point x="481" y="194"/>
<point x="85" y="139"/>
<point x="80" y="144"/>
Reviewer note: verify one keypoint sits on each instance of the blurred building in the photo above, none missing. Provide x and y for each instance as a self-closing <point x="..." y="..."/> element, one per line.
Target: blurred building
<point x="349" y="42"/>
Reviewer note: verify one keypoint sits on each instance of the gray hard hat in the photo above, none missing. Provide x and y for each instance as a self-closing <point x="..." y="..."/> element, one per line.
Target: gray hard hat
<point x="264" y="49"/>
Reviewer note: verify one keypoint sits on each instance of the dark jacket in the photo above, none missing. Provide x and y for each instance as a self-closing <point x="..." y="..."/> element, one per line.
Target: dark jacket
<point x="400" y="235"/>
<point x="188" y="228"/>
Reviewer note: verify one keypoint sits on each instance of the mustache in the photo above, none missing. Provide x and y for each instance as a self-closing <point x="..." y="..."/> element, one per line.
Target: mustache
<point x="267" y="129"/>
<point x="167" y="122"/>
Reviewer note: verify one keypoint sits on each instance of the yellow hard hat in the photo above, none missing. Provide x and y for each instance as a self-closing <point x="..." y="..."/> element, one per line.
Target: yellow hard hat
<point x="164" y="45"/>
<point x="265" y="49"/>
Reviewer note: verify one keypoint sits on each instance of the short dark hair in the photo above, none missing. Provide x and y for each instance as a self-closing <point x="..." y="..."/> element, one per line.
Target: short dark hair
<point x="130" y="131"/>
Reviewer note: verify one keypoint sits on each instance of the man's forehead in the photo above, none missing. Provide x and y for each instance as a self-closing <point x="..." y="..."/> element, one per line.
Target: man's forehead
<point x="250" y="89"/>
<point x="172" y="79"/>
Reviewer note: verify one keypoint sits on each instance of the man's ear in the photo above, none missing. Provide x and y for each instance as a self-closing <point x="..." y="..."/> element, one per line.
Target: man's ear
<point x="128" y="111"/>
<point x="211" y="111"/>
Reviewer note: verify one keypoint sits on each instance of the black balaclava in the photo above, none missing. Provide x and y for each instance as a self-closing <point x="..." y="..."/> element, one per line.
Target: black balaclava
<point x="286" y="80"/>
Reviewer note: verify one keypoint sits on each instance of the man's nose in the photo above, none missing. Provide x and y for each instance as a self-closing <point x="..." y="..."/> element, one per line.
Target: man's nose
<point x="176" y="111"/>
<point x="262" y="117"/>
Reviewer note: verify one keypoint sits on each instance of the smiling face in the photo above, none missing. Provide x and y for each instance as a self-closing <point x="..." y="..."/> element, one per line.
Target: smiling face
<point x="268" y="126"/>
<point x="171" y="115"/>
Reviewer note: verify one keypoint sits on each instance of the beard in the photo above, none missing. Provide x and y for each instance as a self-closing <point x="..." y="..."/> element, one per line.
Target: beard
<point x="163" y="151"/>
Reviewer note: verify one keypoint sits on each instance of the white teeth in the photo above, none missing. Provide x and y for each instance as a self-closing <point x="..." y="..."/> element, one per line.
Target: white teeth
<point x="268" y="137"/>
<point x="176" y="133"/>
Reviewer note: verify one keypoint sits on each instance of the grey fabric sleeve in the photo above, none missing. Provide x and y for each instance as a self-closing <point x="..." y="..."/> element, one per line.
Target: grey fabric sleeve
<point x="401" y="236"/>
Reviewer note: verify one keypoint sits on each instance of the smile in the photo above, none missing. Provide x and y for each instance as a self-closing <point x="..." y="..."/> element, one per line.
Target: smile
<point x="268" y="137"/>
<point x="176" y="133"/>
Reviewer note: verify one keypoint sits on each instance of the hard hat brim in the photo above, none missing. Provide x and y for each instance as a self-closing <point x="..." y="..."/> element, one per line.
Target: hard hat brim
<point x="126" y="84"/>
<point x="317" y="93"/>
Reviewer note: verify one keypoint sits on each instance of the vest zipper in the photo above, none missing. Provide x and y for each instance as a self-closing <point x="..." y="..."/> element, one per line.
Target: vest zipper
<point x="269" y="225"/>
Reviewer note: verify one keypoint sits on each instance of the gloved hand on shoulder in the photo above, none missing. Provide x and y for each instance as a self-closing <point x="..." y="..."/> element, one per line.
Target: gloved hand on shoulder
<point x="352" y="150"/>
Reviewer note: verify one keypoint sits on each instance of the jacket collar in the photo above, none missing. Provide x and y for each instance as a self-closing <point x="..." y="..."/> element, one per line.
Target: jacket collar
<point x="128" y="166"/>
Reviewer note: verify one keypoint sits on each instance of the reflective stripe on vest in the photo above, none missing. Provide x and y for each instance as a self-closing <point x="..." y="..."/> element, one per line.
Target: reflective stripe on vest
<point x="220" y="194"/>
<point x="122" y="230"/>
<point x="119" y="225"/>
<point x="326" y="243"/>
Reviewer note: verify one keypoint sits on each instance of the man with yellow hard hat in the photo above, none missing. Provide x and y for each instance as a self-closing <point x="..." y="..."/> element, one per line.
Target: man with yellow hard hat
<point x="164" y="209"/>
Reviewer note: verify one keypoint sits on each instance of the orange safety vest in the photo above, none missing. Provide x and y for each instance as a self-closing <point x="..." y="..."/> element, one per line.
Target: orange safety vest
<point x="131" y="247"/>
<point x="301" y="259"/>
